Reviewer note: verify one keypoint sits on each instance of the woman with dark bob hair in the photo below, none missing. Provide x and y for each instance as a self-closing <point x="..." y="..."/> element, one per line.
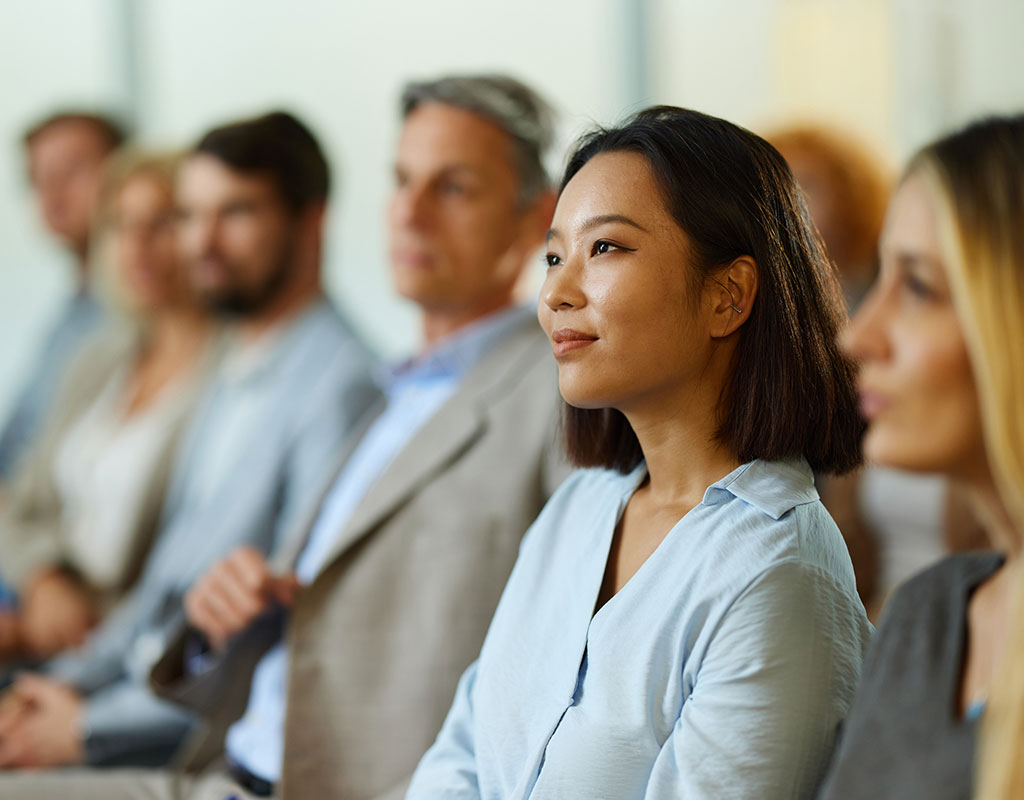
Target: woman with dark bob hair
<point x="683" y="619"/>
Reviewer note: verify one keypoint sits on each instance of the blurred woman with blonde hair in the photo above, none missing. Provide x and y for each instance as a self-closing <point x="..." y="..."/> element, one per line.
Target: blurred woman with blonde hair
<point x="83" y="507"/>
<point x="941" y="344"/>
<point x="895" y="522"/>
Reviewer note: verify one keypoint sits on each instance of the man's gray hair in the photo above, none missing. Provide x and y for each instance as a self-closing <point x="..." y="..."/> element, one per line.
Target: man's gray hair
<point x="511" y="105"/>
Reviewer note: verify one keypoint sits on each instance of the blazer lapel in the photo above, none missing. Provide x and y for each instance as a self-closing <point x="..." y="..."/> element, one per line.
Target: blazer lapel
<point x="443" y="439"/>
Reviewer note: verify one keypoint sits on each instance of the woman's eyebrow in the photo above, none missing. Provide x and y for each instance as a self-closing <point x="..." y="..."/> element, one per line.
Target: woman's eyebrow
<point x="601" y="219"/>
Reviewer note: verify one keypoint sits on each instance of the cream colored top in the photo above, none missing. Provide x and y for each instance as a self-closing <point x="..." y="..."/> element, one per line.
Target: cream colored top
<point x="102" y="472"/>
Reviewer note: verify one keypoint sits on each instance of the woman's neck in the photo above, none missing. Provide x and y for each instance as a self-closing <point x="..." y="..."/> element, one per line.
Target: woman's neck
<point x="680" y="446"/>
<point x="175" y="333"/>
<point x="993" y="516"/>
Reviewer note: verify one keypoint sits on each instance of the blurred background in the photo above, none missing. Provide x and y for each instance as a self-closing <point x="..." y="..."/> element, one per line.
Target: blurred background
<point x="892" y="73"/>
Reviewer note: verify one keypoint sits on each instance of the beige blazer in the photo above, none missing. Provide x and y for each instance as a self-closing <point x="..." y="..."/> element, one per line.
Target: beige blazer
<point x="31" y="534"/>
<point x="379" y="639"/>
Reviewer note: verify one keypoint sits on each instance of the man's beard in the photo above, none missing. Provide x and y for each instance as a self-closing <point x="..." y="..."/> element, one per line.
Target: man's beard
<point x="242" y="302"/>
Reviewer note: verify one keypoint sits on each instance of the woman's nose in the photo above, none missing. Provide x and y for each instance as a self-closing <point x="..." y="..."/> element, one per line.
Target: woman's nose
<point x="562" y="287"/>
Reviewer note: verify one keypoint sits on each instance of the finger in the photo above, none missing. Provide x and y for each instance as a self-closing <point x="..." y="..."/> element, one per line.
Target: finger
<point x="11" y="721"/>
<point x="249" y="566"/>
<point x="210" y="616"/>
<point x="9" y="706"/>
<point x="236" y="604"/>
<point x="222" y="620"/>
<point x="33" y="687"/>
<point x="245" y="599"/>
<point x="11" y="752"/>
<point x="201" y="616"/>
<point x="195" y="613"/>
<point x="285" y="588"/>
<point x="23" y="747"/>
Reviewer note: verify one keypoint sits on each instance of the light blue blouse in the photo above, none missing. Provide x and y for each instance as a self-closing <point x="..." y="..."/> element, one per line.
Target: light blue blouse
<point x="720" y="670"/>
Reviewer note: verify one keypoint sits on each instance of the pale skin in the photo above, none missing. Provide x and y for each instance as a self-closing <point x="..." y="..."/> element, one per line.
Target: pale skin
<point x="460" y="234"/>
<point x="65" y="163"/>
<point x="39" y="717"/>
<point x="660" y="345"/>
<point x="918" y="393"/>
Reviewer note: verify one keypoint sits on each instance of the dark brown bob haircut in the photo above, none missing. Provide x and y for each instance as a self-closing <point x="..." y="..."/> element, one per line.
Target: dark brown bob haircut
<point x="791" y="391"/>
<point x="277" y="146"/>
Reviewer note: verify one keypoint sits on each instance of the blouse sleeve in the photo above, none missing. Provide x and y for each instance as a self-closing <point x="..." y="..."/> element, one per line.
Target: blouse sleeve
<point x="774" y="683"/>
<point x="448" y="770"/>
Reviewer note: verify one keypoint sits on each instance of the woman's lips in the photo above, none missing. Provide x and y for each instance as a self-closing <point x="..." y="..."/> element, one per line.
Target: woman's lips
<point x="565" y="340"/>
<point x="412" y="259"/>
<point x="871" y="404"/>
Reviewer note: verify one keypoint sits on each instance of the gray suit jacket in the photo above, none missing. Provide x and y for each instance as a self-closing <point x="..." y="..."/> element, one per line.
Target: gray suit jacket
<point x="379" y="639"/>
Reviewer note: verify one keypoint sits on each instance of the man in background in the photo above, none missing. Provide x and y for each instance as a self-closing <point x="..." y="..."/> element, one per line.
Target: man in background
<point x="66" y="156"/>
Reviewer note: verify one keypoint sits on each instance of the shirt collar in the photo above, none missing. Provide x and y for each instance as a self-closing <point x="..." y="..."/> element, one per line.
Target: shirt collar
<point x="456" y="354"/>
<point x="772" y="487"/>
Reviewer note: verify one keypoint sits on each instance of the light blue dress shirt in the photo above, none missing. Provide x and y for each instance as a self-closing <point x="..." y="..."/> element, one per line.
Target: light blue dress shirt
<point x="415" y="391"/>
<point x="80" y="317"/>
<point x="720" y="670"/>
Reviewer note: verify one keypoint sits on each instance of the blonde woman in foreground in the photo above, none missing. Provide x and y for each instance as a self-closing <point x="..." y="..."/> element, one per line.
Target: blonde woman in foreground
<point x="941" y="343"/>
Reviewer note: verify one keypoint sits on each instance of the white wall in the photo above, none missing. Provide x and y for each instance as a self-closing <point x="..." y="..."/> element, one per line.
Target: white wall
<point x="43" y="65"/>
<point x="895" y="71"/>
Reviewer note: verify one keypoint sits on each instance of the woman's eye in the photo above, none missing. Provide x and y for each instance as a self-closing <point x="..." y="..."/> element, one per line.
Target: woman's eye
<point x="552" y="260"/>
<point x="602" y="246"/>
<point x="918" y="287"/>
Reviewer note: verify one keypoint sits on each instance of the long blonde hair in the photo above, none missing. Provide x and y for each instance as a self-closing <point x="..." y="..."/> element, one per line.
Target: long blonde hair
<point x="977" y="176"/>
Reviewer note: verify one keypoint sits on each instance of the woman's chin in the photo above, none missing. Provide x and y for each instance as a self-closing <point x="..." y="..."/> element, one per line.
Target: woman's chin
<point x="585" y="400"/>
<point x="889" y="452"/>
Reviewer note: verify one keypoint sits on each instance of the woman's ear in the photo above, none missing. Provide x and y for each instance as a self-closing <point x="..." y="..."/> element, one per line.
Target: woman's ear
<point x="733" y="292"/>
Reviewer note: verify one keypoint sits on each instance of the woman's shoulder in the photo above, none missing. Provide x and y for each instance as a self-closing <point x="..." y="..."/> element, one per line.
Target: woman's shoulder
<point x="95" y="361"/>
<point x="939" y="593"/>
<point x="777" y="517"/>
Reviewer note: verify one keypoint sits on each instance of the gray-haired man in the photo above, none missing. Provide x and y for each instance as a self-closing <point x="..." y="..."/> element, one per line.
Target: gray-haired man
<point x="331" y="668"/>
